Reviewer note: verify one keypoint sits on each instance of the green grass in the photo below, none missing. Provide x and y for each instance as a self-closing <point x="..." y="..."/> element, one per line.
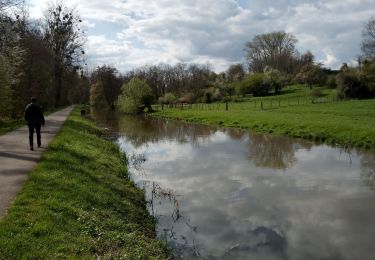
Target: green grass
<point x="348" y="123"/>
<point x="79" y="203"/>
<point x="8" y="125"/>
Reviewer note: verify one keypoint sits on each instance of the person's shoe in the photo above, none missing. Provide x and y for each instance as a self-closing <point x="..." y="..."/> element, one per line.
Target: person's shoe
<point x="31" y="148"/>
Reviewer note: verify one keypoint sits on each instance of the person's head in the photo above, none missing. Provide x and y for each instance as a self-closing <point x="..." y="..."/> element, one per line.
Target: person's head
<point x="33" y="100"/>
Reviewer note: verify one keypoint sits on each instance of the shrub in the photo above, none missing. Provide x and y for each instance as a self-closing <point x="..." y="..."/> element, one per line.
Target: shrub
<point x="208" y="95"/>
<point x="331" y="82"/>
<point x="317" y="93"/>
<point x="253" y="84"/>
<point x="351" y="85"/>
<point x="135" y="96"/>
<point x="168" y="98"/>
<point x="187" y="98"/>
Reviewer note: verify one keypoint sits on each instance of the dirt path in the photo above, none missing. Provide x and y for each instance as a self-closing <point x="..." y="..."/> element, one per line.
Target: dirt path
<point x="17" y="161"/>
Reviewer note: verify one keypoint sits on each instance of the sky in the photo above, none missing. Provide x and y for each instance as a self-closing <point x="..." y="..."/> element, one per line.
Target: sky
<point x="131" y="33"/>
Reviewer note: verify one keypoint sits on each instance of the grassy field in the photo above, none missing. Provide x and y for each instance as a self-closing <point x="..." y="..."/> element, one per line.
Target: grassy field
<point x="294" y="113"/>
<point x="79" y="203"/>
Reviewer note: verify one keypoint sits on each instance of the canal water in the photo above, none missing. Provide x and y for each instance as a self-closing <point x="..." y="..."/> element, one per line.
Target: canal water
<point x="229" y="194"/>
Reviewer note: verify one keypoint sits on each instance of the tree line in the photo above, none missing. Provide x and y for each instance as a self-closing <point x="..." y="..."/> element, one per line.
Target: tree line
<point x="40" y="58"/>
<point x="272" y="63"/>
<point x="45" y="59"/>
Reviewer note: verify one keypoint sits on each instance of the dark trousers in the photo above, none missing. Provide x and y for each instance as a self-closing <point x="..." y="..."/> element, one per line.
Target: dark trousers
<point x="37" y="127"/>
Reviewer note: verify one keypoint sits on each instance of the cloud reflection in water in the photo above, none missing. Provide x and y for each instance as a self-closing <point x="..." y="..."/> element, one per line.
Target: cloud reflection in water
<point x="245" y="196"/>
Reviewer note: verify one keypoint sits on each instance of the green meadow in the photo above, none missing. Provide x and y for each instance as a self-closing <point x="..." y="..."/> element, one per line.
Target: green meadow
<point x="295" y="112"/>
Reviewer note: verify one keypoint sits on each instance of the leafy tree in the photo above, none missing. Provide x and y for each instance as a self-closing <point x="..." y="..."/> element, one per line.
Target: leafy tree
<point x="97" y="99"/>
<point x="7" y="72"/>
<point x="135" y="96"/>
<point x="274" y="79"/>
<point x="168" y="98"/>
<point x="65" y="37"/>
<point x="236" y="72"/>
<point x="311" y="74"/>
<point x="351" y="85"/>
<point x="11" y="56"/>
<point x="110" y="82"/>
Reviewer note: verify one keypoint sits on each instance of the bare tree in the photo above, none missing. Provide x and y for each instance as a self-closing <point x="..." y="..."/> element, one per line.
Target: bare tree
<point x="368" y="42"/>
<point x="65" y="37"/>
<point x="271" y="49"/>
<point x="6" y="4"/>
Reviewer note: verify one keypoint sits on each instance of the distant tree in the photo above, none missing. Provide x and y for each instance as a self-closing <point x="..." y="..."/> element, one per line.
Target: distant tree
<point x="311" y="74"/>
<point x="368" y="76"/>
<point x="368" y="41"/>
<point x="108" y="77"/>
<point x="274" y="79"/>
<point x="351" y="84"/>
<point x="272" y="49"/>
<point x="168" y="98"/>
<point x="236" y="72"/>
<point x="331" y="82"/>
<point x="135" y="96"/>
<point x="65" y="37"/>
<point x="97" y="99"/>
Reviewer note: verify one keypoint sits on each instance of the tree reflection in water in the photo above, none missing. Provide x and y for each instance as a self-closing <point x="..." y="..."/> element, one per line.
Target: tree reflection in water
<point x="228" y="194"/>
<point x="274" y="151"/>
<point x="368" y="170"/>
<point x="142" y="130"/>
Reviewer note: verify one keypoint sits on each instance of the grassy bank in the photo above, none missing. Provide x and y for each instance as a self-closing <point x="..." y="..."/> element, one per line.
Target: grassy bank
<point x="349" y="123"/>
<point x="79" y="203"/>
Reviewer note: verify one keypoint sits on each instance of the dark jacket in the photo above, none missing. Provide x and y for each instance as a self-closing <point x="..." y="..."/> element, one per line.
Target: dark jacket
<point x="34" y="114"/>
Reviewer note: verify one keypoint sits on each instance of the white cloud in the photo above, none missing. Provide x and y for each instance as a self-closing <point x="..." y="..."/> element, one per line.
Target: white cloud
<point x="142" y="31"/>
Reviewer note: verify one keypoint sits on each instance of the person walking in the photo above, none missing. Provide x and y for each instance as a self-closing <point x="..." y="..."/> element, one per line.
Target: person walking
<point x="35" y="119"/>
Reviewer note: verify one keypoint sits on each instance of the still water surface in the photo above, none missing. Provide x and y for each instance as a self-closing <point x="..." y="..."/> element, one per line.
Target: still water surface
<point x="229" y="194"/>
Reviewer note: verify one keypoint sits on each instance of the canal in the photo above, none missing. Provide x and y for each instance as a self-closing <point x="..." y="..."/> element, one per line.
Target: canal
<point x="229" y="194"/>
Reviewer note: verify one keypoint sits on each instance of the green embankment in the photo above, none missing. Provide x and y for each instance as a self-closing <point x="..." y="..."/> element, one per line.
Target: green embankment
<point x="347" y="123"/>
<point x="10" y="125"/>
<point x="79" y="203"/>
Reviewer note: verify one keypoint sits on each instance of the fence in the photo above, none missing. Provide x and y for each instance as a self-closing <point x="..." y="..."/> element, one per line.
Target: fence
<point x="257" y="104"/>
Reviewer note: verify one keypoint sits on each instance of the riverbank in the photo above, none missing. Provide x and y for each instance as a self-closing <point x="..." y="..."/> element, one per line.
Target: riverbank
<point x="79" y="202"/>
<point x="349" y="123"/>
